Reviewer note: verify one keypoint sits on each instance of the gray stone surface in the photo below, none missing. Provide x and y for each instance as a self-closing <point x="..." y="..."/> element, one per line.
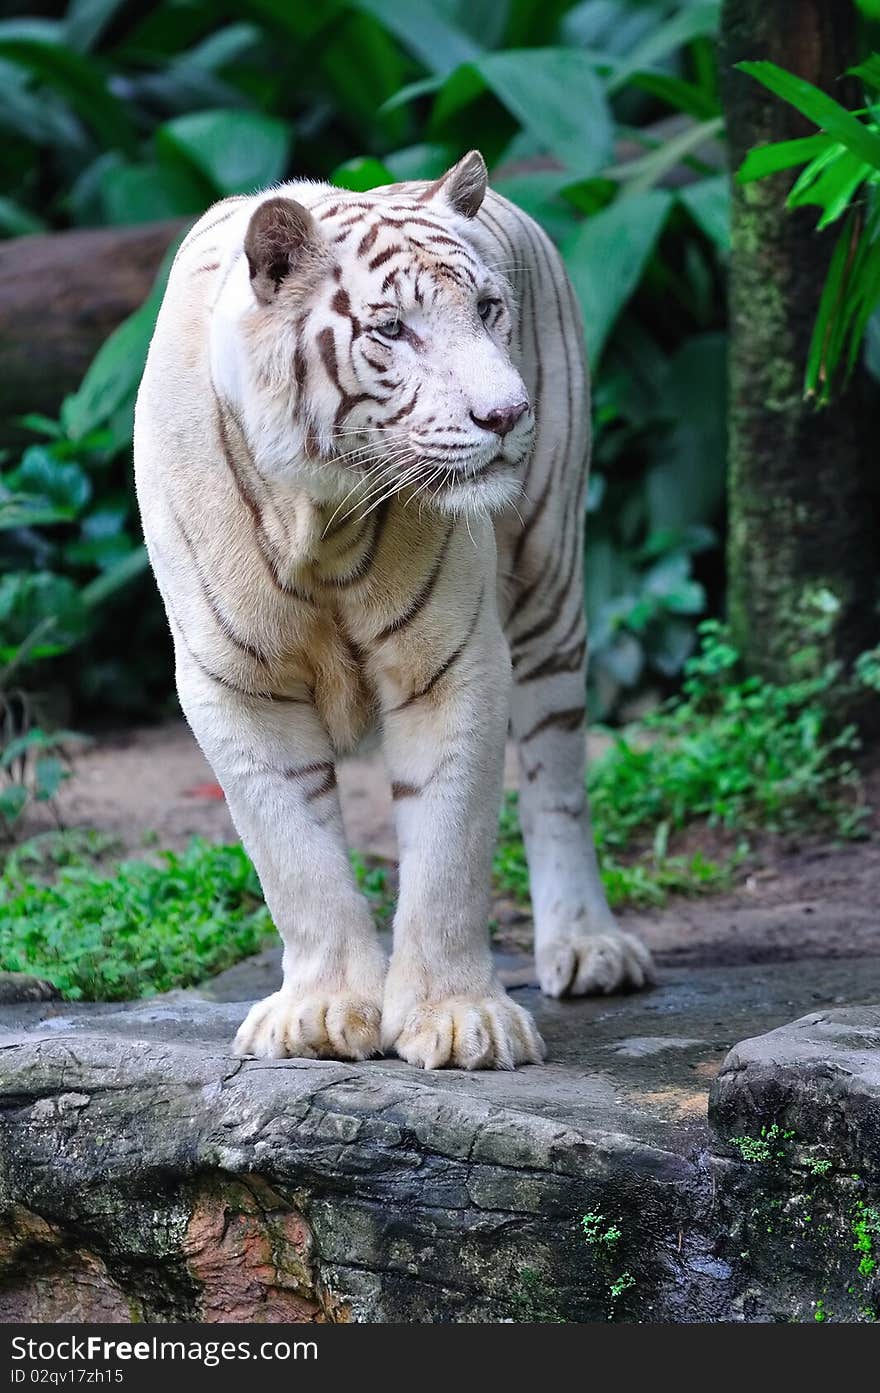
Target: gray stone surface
<point x="144" y="1173"/>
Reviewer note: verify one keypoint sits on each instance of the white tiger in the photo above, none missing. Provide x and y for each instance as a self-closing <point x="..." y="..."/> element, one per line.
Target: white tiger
<point x="361" y="448"/>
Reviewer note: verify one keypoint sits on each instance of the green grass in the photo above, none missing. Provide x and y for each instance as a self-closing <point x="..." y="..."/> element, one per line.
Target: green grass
<point x="146" y="928"/>
<point x="741" y="755"/>
<point x="735" y="754"/>
<point x="114" y="932"/>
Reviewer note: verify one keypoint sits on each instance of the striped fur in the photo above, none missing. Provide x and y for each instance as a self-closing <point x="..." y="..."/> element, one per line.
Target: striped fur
<point x="361" y="447"/>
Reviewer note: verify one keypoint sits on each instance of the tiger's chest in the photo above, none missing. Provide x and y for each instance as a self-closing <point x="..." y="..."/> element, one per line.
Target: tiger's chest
<point x="383" y="600"/>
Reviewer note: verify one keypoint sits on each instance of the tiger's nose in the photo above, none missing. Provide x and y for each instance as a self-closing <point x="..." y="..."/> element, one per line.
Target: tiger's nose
<point x="503" y="419"/>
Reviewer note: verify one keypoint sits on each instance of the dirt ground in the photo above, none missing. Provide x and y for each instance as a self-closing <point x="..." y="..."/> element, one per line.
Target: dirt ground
<point x="153" y="787"/>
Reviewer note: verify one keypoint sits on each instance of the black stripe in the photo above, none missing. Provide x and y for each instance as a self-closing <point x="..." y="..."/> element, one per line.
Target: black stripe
<point x="416" y="606"/>
<point x="571" y="719"/>
<point x="445" y="667"/>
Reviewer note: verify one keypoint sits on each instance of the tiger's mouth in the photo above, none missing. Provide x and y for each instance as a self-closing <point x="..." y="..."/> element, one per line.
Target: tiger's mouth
<point x="488" y="486"/>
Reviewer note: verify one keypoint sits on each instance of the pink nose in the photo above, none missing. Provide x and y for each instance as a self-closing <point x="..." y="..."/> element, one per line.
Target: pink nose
<point x="503" y="419"/>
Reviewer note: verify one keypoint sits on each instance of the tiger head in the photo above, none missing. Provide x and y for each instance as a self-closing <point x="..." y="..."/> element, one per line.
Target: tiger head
<point x="377" y="344"/>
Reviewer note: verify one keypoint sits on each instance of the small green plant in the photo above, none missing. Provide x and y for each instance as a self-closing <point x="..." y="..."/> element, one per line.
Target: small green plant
<point x="820" y="1314"/>
<point x="145" y="929"/>
<point x="33" y="766"/>
<point x="769" y="1146"/>
<point x="816" y="1166"/>
<point x="623" y="1283"/>
<point x="114" y="932"/>
<point x="730" y="752"/>
<point x="597" y="1231"/>
<point x="866" y="1232"/>
<point x="374" y="880"/>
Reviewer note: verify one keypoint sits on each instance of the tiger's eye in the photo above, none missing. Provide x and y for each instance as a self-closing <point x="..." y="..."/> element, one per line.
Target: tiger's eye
<point x="392" y="329"/>
<point x="484" y="308"/>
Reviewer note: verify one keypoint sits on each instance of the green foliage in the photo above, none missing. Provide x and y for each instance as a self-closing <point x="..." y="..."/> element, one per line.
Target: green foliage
<point x="738" y="752"/>
<point x="866" y="1234"/>
<point x="597" y="1232"/>
<point x="146" y="929"/>
<point x="33" y="765"/>
<point x="840" y="176"/>
<point x="113" y="932"/>
<point x="599" y="117"/>
<point x="768" y="1147"/>
<point x="374" y="881"/>
<point x="625" y="1282"/>
<point x="735" y="753"/>
<point x="818" y="1166"/>
<point x="69" y="552"/>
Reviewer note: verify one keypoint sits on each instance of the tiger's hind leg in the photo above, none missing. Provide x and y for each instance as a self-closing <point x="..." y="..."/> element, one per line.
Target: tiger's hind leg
<point x="579" y="948"/>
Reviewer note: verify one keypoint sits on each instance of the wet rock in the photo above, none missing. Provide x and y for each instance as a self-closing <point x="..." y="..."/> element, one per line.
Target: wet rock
<point x="145" y="1174"/>
<point x="799" y="1110"/>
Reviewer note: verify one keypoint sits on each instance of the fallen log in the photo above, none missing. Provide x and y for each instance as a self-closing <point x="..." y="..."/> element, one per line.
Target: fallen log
<point x="61" y="294"/>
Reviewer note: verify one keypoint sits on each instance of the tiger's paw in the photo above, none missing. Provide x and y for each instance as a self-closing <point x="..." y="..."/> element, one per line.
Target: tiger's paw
<point x="464" y="1032"/>
<point x="593" y="964"/>
<point x="323" y="1025"/>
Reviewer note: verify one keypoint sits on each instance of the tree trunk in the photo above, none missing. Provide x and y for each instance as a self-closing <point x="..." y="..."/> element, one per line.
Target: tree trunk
<point x="802" y="545"/>
<point x="60" y="296"/>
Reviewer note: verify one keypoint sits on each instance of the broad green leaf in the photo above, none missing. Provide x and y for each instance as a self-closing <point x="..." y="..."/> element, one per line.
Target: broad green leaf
<point x="819" y="108"/>
<point x="16" y="221"/>
<point x="115" y="372"/>
<point x="606" y="258"/>
<point x="39" y="601"/>
<point x="708" y="203"/>
<point x="134" y="564"/>
<point x="536" y="87"/>
<point x="685" y="482"/>
<point x="782" y="154"/>
<point x="150" y="192"/>
<point x="361" y="174"/>
<point x="608" y="27"/>
<point x="424" y="31"/>
<point x="485" y="21"/>
<point x="22" y="512"/>
<point x="363" y="67"/>
<point x="236" y="151"/>
<point x="869" y="71"/>
<point x="49" y="774"/>
<point x="831" y="187"/>
<point x="676" y="92"/>
<point x="63" y="484"/>
<point x="671" y="642"/>
<point x="13" y="799"/>
<point x="649" y="169"/>
<point x="411" y="90"/>
<point x="222" y="48"/>
<point x="34" y="46"/>
<point x="426" y="161"/>
<point x="534" y="22"/>
<point x="456" y="93"/>
<point x="691" y="22"/>
<point x="85" y="19"/>
<point x="537" y="193"/>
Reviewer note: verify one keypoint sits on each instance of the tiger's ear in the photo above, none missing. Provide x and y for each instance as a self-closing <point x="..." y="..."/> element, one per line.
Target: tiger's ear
<point x="281" y="235"/>
<point x="463" y="187"/>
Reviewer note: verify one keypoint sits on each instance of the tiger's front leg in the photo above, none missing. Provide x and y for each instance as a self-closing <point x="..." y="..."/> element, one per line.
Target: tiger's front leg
<point x="275" y="764"/>
<point x="444" y="746"/>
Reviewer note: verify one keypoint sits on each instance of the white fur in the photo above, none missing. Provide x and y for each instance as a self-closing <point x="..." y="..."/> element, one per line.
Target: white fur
<point x="252" y="487"/>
